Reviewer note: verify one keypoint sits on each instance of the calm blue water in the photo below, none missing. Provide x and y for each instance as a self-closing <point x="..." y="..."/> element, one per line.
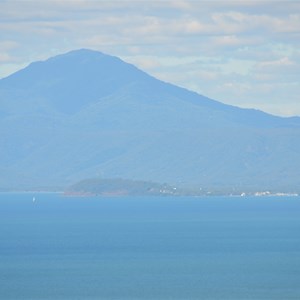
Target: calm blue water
<point x="149" y="248"/>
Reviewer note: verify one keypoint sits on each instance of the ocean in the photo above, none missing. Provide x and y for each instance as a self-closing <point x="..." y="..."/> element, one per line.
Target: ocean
<point x="211" y="248"/>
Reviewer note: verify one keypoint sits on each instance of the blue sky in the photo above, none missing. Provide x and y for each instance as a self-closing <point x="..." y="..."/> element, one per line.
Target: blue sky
<point x="244" y="53"/>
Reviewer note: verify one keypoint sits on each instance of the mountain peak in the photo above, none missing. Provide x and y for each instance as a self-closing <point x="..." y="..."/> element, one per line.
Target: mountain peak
<point x="81" y="54"/>
<point x="70" y="81"/>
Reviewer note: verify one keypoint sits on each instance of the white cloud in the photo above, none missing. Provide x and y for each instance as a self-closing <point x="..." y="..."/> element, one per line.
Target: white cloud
<point x="282" y="70"/>
<point x="4" y="57"/>
<point x="8" y="45"/>
<point x="284" y="61"/>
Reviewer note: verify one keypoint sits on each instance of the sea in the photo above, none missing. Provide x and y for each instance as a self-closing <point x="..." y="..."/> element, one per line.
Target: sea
<point x="215" y="248"/>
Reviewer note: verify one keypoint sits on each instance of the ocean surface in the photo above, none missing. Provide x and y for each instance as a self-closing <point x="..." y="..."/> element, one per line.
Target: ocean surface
<point x="60" y="247"/>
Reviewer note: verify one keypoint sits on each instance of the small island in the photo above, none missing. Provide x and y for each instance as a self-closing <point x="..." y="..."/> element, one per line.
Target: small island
<point x="119" y="187"/>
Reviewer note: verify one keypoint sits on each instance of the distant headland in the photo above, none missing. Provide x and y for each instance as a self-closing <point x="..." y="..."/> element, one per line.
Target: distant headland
<point x="126" y="187"/>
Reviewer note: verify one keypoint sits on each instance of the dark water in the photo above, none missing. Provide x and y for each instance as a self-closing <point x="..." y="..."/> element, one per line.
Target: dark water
<point x="149" y="248"/>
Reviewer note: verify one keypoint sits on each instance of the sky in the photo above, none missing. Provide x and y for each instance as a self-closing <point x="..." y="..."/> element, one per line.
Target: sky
<point x="243" y="53"/>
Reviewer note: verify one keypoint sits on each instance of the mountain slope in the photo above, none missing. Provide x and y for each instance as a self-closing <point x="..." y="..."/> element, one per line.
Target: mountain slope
<point x="86" y="114"/>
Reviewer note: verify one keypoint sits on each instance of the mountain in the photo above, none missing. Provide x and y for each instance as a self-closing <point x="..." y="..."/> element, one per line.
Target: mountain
<point x="85" y="114"/>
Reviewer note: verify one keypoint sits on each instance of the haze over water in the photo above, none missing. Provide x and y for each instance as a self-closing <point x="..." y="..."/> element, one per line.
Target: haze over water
<point x="149" y="248"/>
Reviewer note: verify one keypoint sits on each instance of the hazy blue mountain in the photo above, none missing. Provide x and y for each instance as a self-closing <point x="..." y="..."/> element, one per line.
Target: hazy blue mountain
<point x="85" y="114"/>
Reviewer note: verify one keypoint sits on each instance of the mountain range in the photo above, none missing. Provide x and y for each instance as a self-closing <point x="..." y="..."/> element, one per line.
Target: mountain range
<point x="85" y="114"/>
